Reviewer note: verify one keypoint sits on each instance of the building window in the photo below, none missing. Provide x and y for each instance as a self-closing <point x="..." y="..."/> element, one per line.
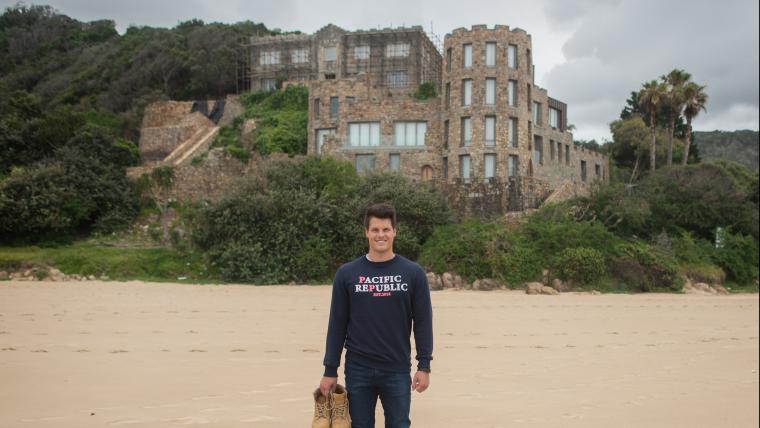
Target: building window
<point x="466" y="132"/>
<point x="537" y="113"/>
<point x="448" y="94"/>
<point x="528" y="60"/>
<point x="512" y="56"/>
<point x="396" y="79"/>
<point x="512" y="132"/>
<point x="513" y="165"/>
<point x="551" y="150"/>
<point x="333" y="107"/>
<point x="316" y="108"/>
<point x="365" y="163"/>
<point x="567" y="154"/>
<point x="467" y="56"/>
<point x="583" y="170"/>
<point x="321" y="134"/>
<point x="410" y="133"/>
<point x="559" y="152"/>
<point x="364" y="134"/>
<point x="490" y="91"/>
<point x="394" y="162"/>
<point x="350" y="99"/>
<point x="427" y="173"/>
<point x="445" y="168"/>
<point x="331" y="53"/>
<point x="299" y="56"/>
<point x="397" y="50"/>
<point x="446" y="134"/>
<point x="538" y="150"/>
<point x="268" y="84"/>
<point x="598" y="171"/>
<point x="490" y="133"/>
<point x="269" y="58"/>
<point x="554" y="116"/>
<point x="361" y="52"/>
<point x="464" y="168"/>
<point x="448" y="60"/>
<point x="466" y="92"/>
<point x="489" y="166"/>
<point x="512" y="93"/>
<point x="490" y="54"/>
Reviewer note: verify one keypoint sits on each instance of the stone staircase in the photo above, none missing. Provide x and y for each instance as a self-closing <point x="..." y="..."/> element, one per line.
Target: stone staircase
<point x="198" y="142"/>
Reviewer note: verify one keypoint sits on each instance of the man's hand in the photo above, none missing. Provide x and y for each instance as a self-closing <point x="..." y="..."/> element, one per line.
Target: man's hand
<point x="327" y="385"/>
<point x="421" y="381"/>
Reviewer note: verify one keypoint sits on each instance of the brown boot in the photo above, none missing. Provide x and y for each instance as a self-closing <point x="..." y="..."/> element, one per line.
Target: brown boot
<point x="339" y="414"/>
<point x="321" y="411"/>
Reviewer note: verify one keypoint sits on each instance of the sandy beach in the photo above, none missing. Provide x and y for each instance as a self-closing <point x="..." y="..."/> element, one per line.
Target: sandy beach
<point x="143" y="354"/>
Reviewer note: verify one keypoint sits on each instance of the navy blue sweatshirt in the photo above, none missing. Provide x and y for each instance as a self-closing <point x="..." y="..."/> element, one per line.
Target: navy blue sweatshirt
<point x="374" y="307"/>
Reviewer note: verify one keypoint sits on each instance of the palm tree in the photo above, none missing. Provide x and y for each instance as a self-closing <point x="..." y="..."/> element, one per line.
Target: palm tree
<point x="674" y="102"/>
<point x="695" y="100"/>
<point x="650" y="99"/>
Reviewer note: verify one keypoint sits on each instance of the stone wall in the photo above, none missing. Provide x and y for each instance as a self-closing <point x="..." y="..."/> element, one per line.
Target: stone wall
<point x="207" y="179"/>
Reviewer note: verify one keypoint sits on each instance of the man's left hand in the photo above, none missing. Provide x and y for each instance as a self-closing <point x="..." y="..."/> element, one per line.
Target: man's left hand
<point x="421" y="381"/>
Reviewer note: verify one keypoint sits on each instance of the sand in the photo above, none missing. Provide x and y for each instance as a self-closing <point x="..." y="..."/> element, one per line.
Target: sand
<point x="99" y="354"/>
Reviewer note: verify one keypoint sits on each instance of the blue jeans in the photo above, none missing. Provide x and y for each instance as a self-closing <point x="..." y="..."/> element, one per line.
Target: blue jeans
<point x="365" y="385"/>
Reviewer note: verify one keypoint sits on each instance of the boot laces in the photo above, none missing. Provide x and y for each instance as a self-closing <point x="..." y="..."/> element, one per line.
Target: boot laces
<point x="339" y="410"/>
<point x="322" y="410"/>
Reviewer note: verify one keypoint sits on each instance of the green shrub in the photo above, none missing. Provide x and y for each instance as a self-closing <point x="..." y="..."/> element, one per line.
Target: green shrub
<point x="460" y="248"/>
<point x="738" y="256"/>
<point x="580" y="265"/>
<point x="426" y="90"/>
<point x="641" y="268"/>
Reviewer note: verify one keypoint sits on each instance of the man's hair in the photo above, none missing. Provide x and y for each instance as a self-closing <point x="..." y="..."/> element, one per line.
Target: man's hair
<point x="381" y="211"/>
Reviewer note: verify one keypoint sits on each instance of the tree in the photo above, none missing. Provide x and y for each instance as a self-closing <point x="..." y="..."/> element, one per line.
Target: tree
<point x="673" y="102"/>
<point x="650" y="99"/>
<point x="695" y="100"/>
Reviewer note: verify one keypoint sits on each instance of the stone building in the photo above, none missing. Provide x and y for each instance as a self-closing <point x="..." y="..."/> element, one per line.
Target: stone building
<point x="490" y="123"/>
<point x="398" y="59"/>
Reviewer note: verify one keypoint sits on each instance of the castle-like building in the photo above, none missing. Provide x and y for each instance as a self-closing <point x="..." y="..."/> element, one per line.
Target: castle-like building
<point x="488" y="123"/>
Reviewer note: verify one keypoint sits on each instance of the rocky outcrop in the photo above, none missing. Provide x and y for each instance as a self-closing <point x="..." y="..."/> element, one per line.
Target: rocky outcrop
<point x="704" y="289"/>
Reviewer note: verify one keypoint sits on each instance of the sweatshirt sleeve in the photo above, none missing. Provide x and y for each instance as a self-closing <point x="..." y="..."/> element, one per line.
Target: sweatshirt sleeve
<point x="423" y="321"/>
<point x="336" y="328"/>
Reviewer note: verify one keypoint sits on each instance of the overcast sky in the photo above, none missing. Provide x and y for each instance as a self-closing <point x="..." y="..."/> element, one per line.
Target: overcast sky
<point x="588" y="53"/>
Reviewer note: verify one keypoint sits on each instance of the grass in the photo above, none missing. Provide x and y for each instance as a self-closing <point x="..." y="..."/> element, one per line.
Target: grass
<point x="118" y="263"/>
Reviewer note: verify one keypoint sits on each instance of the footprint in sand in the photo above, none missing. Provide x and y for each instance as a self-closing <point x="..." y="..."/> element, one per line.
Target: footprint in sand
<point x="272" y="351"/>
<point x="481" y="347"/>
<point x="83" y="350"/>
<point x="309" y="350"/>
<point x="197" y="350"/>
<point x="39" y="350"/>
<point x="238" y="350"/>
<point x="7" y="349"/>
<point x="5" y="332"/>
<point x="119" y="351"/>
<point x="84" y="332"/>
<point x="191" y="332"/>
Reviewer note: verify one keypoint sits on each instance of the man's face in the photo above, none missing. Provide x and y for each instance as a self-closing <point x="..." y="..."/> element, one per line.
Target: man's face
<point x="380" y="234"/>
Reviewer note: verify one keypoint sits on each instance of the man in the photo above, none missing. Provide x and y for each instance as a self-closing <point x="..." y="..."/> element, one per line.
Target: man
<point x="377" y="300"/>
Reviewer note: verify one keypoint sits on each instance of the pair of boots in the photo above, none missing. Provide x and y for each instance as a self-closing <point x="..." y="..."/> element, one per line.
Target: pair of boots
<point x="332" y="411"/>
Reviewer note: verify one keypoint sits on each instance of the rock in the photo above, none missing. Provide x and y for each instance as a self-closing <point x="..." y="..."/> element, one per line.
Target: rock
<point x="704" y="288"/>
<point x="91" y="277"/>
<point x="15" y="276"/>
<point x="458" y="282"/>
<point x="108" y="278"/>
<point x="548" y="290"/>
<point x="488" y="284"/>
<point x="4" y="276"/>
<point x="28" y="273"/>
<point x="533" y="287"/>
<point x="719" y="289"/>
<point x="56" y="275"/>
<point x="595" y="292"/>
<point x="434" y="281"/>
<point x="447" y="280"/>
<point x="559" y="285"/>
<point x="476" y="285"/>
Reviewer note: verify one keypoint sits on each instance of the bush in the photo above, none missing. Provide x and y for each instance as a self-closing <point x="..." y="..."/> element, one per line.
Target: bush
<point x="580" y="265"/>
<point x="641" y="268"/>
<point x="738" y="256"/>
<point x="460" y="248"/>
<point x="426" y="90"/>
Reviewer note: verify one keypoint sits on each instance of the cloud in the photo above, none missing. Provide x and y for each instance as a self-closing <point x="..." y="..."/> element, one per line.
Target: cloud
<point x="616" y="46"/>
